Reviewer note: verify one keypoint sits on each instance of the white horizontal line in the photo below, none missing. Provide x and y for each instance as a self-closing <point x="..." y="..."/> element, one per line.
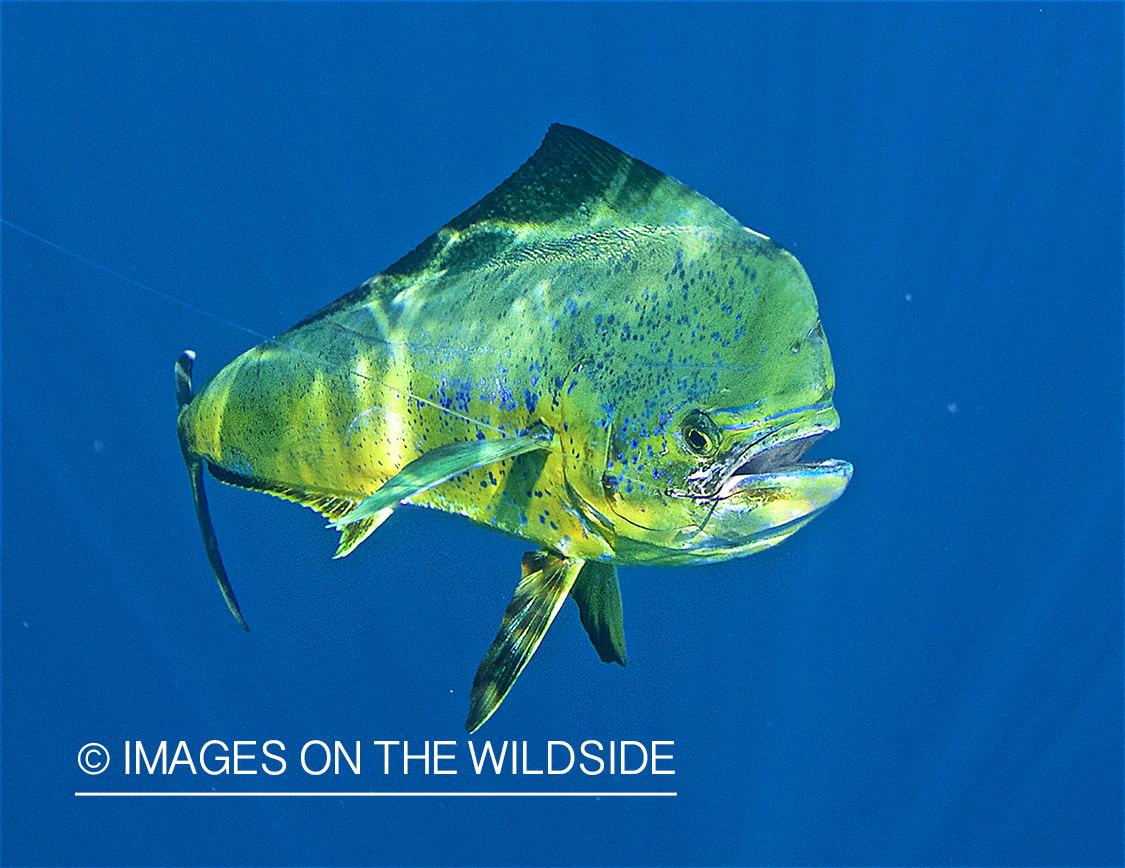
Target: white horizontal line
<point x="371" y="795"/>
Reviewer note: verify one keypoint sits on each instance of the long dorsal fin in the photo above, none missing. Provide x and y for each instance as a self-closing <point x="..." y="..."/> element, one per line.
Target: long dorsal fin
<point x="574" y="186"/>
<point x="579" y="181"/>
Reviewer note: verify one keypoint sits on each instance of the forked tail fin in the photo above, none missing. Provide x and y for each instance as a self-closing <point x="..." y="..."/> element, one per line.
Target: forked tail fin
<point x="184" y="394"/>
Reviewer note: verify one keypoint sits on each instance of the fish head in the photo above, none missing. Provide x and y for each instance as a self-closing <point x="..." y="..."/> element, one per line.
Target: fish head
<point x="700" y="446"/>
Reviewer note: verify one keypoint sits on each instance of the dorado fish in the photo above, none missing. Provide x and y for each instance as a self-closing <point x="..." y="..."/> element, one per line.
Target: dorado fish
<point x="594" y="358"/>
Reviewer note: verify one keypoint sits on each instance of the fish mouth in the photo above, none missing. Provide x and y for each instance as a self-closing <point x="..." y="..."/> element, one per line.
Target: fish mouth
<point x="768" y="461"/>
<point x="779" y="460"/>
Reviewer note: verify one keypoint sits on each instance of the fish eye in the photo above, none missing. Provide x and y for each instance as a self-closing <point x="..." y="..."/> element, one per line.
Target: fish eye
<point x="701" y="435"/>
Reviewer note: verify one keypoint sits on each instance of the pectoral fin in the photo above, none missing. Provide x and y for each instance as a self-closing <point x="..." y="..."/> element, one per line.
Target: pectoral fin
<point x="353" y="534"/>
<point x="547" y="578"/>
<point x="598" y="595"/>
<point x="439" y="465"/>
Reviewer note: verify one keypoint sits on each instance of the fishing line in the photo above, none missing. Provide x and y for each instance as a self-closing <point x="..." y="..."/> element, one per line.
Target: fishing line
<point x="257" y="334"/>
<point x="319" y="357"/>
<point x="447" y="411"/>
<point x="136" y="283"/>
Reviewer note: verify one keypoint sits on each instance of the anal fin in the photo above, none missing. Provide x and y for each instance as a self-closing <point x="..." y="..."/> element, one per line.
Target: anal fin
<point x="329" y="504"/>
<point x="547" y="579"/>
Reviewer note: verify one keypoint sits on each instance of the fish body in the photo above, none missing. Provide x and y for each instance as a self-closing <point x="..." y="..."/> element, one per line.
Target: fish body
<point x="593" y="358"/>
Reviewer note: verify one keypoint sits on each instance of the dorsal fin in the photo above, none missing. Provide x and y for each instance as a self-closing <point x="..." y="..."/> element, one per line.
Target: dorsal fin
<point x="571" y="169"/>
<point x="575" y="185"/>
<point x="578" y="179"/>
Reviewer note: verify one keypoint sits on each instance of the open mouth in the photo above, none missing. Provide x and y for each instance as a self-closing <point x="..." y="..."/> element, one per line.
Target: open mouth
<point x="770" y="462"/>
<point x="780" y="456"/>
<point x="779" y="463"/>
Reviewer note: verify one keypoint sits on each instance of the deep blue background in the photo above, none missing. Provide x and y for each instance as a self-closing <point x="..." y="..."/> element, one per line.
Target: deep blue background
<point x="929" y="673"/>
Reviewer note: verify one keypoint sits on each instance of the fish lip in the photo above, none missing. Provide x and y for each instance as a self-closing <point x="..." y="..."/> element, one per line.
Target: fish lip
<point x="773" y="456"/>
<point x="780" y="458"/>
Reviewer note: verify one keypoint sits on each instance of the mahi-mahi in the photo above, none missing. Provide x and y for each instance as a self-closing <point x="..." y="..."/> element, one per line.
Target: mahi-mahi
<point x="593" y="358"/>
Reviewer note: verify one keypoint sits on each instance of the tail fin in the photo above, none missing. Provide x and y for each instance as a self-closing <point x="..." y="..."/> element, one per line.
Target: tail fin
<point x="184" y="394"/>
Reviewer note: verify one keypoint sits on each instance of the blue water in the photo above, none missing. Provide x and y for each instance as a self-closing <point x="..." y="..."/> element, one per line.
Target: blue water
<point x="930" y="673"/>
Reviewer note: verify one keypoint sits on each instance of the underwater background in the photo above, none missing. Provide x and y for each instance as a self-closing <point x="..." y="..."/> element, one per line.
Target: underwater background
<point x="929" y="673"/>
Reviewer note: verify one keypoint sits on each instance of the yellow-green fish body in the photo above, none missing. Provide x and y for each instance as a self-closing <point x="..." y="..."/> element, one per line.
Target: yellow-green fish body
<point x="593" y="358"/>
